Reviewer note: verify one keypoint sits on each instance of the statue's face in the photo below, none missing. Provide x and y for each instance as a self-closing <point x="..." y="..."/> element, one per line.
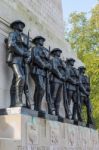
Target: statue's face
<point x="58" y="53"/>
<point x="41" y="42"/>
<point x="72" y="63"/>
<point x="20" y="27"/>
<point x="83" y="71"/>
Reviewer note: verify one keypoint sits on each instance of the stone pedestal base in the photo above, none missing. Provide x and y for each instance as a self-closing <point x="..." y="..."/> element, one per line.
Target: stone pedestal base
<point x="21" y="129"/>
<point x="10" y="144"/>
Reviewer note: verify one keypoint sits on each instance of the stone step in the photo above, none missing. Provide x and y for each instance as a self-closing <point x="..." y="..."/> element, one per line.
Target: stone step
<point x="25" y="131"/>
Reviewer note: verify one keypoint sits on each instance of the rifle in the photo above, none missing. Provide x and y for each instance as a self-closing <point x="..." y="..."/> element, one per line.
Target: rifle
<point x="26" y="88"/>
<point x="48" y="95"/>
<point x="27" y="60"/>
<point x="78" y="104"/>
<point x="65" y="99"/>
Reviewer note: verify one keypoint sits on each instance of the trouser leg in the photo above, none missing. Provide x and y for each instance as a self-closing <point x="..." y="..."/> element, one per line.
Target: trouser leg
<point x="74" y="111"/>
<point x="54" y="89"/>
<point x="49" y="98"/>
<point x="26" y="88"/>
<point x="67" y="102"/>
<point x="69" y="98"/>
<point x="74" y="98"/>
<point x="79" y="110"/>
<point x="20" y="80"/>
<point x="35" y="98"/>
<point x="13" y="92"/>
<point x="27" y="96"/>
<point x="53" y="93"/>
<point x="76" y="108"/>
<point x="39" y="91"/>
<point x="58" y="98"/>
<point x="89" y="111"/>
<point x="79" y="114"/>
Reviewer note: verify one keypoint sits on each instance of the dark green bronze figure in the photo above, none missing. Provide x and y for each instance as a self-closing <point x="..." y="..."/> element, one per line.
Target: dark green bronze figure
<point x="57" y="79"/>
<point x="40" y="65"/>
<point x="18" y="56"/>
<point x="85" y="93"/>
<point x="72" y="89"/>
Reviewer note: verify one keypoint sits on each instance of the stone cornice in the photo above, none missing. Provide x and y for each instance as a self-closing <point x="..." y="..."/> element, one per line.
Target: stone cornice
<point x="4" y="26"/>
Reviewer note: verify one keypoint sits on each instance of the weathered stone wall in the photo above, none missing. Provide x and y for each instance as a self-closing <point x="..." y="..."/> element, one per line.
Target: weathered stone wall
<point x="42" y="17"/>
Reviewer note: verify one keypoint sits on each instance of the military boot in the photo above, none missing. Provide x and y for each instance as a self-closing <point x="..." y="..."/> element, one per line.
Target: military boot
<point x="27" y="95"/>
<point x="74" y="112"/>
<point x="19" y="92"/>
<point x="13" y="97"/>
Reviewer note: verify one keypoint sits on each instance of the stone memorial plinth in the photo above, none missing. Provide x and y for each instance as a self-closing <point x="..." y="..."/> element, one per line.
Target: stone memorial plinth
<point x="22" y="129"/>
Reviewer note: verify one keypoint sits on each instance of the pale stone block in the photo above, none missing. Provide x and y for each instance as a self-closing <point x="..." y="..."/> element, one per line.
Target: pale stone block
<point x="10" y="126"/>
<point x="71" y="134"/>
<point x="94" y="138"/>
<point x="8" y="144"/>
<point x="84" y="137"/>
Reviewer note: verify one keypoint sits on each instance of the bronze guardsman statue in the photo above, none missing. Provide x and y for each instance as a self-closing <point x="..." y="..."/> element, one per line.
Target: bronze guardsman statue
<point x="73" y="89"/>
<point x="57" y="78"/>
<point x="17" y="57"/>
<point x="40" y="64"/>
<point x="85" y="93"/>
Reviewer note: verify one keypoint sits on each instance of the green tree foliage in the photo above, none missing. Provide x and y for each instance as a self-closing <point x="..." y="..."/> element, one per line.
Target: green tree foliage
<point x="83" y="36"/>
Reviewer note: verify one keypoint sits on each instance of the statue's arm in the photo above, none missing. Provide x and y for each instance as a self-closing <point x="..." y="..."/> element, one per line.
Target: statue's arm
<point x="88" y="87"/>
<point x="81" y="87"/>
<point x="69" y="78"/>
<point x="37" y="58"/>
<point x="55" y="69"/>
<point x="12" y="45"/>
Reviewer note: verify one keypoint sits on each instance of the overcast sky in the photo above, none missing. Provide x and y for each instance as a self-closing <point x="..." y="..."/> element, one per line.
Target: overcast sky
<point x="77" y="5"/>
